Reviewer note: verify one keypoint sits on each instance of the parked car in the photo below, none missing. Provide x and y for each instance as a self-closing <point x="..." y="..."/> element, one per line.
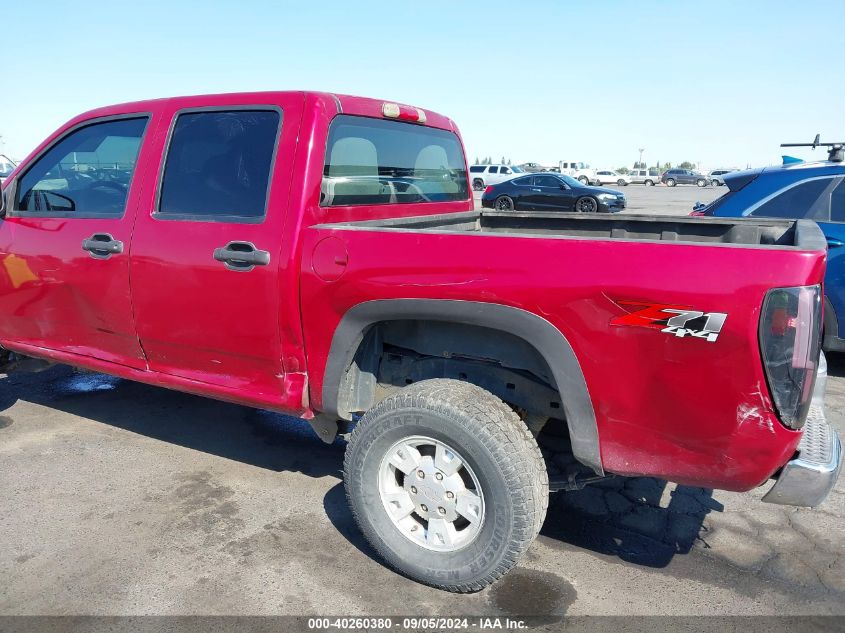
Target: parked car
<point x="674" y="177"/>
<point x="532" y="168"/>
<point x="716" y="176"/>
<point x="579" y="171"/>
<point x="483" y="175"/>
<point x="613" y="178"/>
<point x="7" y="165"/>
<point x="443" y="340"/>
<point x="811" y="191"/>
<point x="647" y="177"/>
<point x="552" y="192"/>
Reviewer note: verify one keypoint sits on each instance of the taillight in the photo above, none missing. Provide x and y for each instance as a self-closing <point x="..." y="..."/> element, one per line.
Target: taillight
<point x="790" y="328"/>
<point x="488" y="189"/>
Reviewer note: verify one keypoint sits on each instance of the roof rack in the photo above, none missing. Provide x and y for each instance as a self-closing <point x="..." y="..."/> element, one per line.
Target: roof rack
<point x="835" y="152"/>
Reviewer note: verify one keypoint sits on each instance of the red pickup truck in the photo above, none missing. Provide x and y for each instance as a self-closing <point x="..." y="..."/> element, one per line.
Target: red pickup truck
<point x="319" y="255"/>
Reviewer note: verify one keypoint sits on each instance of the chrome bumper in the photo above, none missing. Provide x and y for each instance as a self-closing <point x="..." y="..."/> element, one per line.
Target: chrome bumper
<point x="807" y="479"/>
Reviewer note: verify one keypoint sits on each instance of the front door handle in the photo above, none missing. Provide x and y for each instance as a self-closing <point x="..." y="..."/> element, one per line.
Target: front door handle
<point x="832" y="242"/>
<point x="241" y="256"/>
<point x="102" y="246"/>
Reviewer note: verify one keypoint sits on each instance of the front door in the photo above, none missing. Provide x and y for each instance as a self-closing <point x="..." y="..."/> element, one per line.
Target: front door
<point x="64" y="244"/>
<point x="553" y="193"/>
<point x="205" y="259"/>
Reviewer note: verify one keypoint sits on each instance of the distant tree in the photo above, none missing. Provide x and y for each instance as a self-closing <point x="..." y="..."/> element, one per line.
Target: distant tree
<point x="686" y="165"/>
<point x="509" y="161"/>
<point x="625" y="170"/>
<point x="638" y="165"/>
<point x="667" y="165"/>
<point x="476" y="161"/>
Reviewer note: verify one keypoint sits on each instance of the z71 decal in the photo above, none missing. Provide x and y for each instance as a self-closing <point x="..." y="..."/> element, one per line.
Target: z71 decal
<point x="677" y="320"/>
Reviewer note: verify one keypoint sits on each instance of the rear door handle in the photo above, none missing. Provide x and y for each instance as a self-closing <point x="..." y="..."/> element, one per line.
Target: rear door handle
<point x="832" y="242"/>
<point x="241" y="256"/>
<point x="102" y="246"/>
<point x="537" y="190"/>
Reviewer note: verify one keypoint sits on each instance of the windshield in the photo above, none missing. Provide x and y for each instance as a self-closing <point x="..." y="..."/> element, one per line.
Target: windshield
<point x="569" y="180"/>
<point x="517" y="170"/>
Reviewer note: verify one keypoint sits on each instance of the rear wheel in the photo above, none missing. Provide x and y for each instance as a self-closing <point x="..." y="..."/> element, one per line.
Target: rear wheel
<point x="701" y="182"/>
<point x="478" y="184"/>
<point x="504" y="203"/>
<point x="587" y="204"/>
<point x="649" y="183"/>
<point x="670" y="182"/>
<point x="446" y="483"/>
<point x="621" y="182"/>
<point x="584" y="180"/>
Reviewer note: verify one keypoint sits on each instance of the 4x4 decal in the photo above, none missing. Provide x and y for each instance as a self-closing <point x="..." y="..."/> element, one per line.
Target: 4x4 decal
<point x="677" y="320"/>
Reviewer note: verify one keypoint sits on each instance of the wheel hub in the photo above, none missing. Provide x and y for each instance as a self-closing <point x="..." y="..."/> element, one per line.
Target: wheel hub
<point x="431" y="494"/>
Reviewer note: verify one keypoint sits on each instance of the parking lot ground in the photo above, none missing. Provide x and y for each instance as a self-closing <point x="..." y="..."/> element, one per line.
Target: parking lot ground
<point x="124" y="499"/>
<point x="120" y="498"/>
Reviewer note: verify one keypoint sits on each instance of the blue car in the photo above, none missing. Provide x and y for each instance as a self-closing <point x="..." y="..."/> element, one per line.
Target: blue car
<point x="796" y="190"/>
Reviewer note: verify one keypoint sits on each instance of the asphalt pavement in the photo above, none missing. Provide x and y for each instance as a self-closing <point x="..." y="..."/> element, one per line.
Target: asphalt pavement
<point x="124" y="499"/>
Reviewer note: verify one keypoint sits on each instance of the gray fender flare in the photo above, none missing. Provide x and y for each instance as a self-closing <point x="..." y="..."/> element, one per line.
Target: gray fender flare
<point x="542" y="335"/>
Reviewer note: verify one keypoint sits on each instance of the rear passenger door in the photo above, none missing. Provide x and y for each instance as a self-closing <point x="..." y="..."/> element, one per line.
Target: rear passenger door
<point x="205" y="259"/>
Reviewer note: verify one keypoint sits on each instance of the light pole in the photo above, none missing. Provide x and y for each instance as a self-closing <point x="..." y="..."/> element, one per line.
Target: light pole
<point x="641" y="156"/>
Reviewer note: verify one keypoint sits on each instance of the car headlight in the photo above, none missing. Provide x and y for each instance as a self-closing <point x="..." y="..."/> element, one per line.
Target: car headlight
<point x="607" y="196"/>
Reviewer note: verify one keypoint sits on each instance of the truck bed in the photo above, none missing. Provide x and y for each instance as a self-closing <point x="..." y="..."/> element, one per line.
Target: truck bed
<point x="758" y="232"/>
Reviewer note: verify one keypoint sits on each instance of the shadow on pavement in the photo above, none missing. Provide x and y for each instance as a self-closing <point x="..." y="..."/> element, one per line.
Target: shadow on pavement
<point x="639" y="520"/>
<point x="260" y="438"/>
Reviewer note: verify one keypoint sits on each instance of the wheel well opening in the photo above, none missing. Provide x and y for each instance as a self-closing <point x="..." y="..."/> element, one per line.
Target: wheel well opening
<point x="393" y="354"/>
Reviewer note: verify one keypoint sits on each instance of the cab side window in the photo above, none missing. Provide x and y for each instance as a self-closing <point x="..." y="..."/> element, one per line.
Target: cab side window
<point x="218" y="165"/>
<point x="546" y="181"/>
<point x="837" y="203"/>
<point x="808" y="200"/>
<point x="85" y="174"/>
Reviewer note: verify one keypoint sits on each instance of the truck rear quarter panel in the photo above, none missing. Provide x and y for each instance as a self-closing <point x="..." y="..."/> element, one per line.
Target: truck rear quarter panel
<point x="684" y="409"/>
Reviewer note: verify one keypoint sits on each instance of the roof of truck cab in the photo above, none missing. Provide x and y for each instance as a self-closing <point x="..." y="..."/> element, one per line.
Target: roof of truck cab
<point x="344" y="104"/>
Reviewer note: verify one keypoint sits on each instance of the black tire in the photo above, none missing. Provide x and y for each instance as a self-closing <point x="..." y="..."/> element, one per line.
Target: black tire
<point x="505" y="203"/>
<point x="583" y="180"/>
<point x="649" y="183"/>
<point x="670" y="182"/>
<point x="701" y="182"/>
<point x="497" y="445"/>
<point x="586" y="204"/>
<point x="478" y="185"/>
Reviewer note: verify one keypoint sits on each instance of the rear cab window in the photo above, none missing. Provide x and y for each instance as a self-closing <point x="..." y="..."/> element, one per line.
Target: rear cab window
<point x="374" y="161"/>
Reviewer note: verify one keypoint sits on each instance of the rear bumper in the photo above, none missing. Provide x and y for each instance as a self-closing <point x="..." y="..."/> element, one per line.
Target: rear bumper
<point x="807" y="479"/>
